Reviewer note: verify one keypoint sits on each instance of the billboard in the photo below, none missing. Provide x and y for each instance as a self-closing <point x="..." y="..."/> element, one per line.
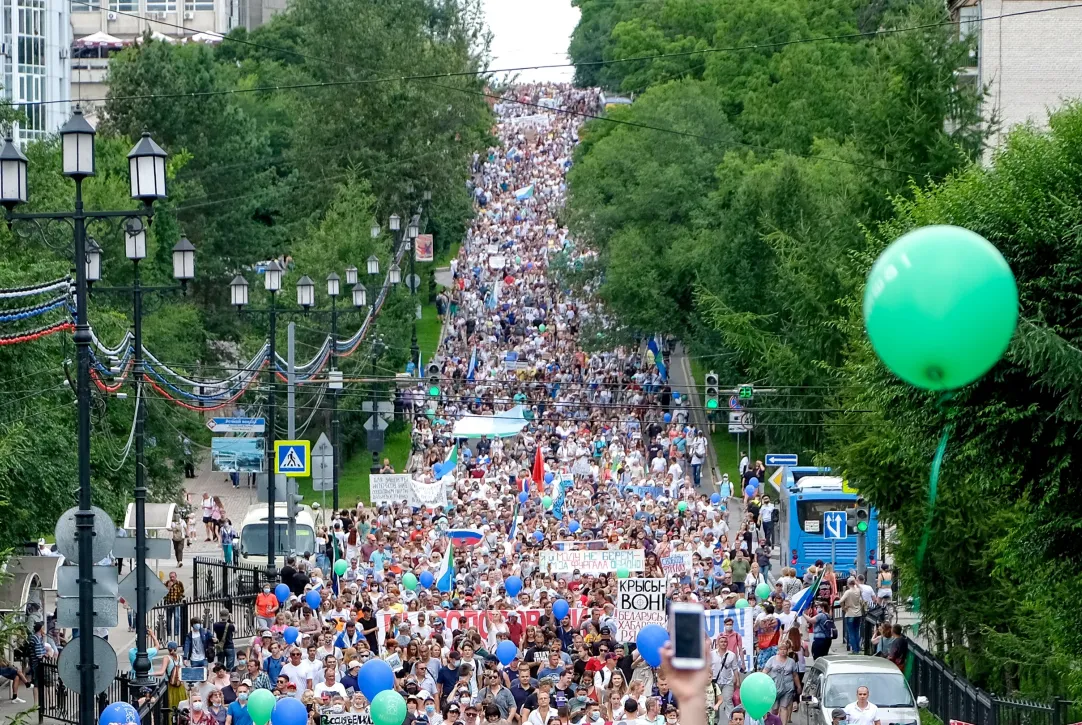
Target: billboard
<point x="238" y="455"/>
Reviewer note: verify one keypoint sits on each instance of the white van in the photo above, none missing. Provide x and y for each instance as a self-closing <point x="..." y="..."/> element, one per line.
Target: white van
<point x="831" y="682"/>
<point x="253" y="534"/>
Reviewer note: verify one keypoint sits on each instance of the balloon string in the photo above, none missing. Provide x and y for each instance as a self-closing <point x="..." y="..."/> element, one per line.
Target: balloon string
<point x="933" y="493"/>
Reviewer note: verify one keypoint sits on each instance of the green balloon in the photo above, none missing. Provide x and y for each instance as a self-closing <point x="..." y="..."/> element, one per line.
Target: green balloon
<point x="340" y="567"/>
<point x="757" y="694"/>
<point x="409" y="581"/>
<point x="388" y="708"/>
<point x="940" y="307"/>
<point x="541" y="328"/>
<point x="622" y="573"/>
<point x="546" y="501"/>
<point x="741" y="603"/>
<point x="260" y="706"/>
<point x="682" y="506"/>
<point x="762" y="591"/>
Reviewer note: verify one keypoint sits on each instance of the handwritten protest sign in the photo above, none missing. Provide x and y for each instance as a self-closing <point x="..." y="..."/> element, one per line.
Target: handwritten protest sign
<point x="639" y="602"/>
<point x="398" y="487"/>
<point x="677" y="565"/>
<point x="592" y="562"/>
<point x="465" y="619"/>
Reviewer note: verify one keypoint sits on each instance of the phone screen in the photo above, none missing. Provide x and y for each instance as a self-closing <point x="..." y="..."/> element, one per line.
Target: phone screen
<point x="688" y="639"/>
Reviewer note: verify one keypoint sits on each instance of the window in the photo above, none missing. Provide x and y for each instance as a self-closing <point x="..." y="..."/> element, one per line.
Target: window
<point x="253" y="538"/>
<point x="124" y="6"/>
<point x="30" y="67"/>
<point x="969" y="30"/>
<point x="199" y="5"/>
<point x="162" y="6"/>
<point x="87" y="7"/>
<point x="885" y="689"/>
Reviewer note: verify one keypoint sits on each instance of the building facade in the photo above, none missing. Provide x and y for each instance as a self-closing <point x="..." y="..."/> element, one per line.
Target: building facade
<point x="1028" y="61"/>
<point x="36" y="45"/>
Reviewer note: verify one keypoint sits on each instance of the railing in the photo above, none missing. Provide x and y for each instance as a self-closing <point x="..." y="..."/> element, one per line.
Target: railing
<point x="213" y="578"/>
<point x="172" y="621"/>
<point x="952" y="697"/>
<point x="58" y="702"/>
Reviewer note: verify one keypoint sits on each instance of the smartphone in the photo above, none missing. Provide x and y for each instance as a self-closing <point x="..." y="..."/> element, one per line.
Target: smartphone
<point x="687" y="628"/>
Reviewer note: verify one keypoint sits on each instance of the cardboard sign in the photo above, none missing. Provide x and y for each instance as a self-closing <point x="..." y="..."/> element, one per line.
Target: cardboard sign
<point x="465" y="619"/>
<point x="592" y="562"/>
<point x="639" y="602"/>
<point x="677" y="565"/>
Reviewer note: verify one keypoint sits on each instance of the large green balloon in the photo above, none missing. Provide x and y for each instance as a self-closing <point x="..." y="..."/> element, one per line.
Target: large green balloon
<point x="757" y="694"/>
<point x="388" y="708"/>
<point x="682" y="506"/>
<point x="762" y="591"/>
<point x="340" y="567"/>
<point x="940" y="307"/>
<point x="260" y="706"/>
<point x="409" y="581"/>
<point x="742" y="603"/>
<point x="546" y="502"/>
<point x="622" y="573"/>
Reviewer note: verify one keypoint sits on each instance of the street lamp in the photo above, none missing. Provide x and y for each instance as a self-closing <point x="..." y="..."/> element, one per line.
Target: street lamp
<point x="396" y="274"/>
<point x="373" y="265"/>
<point x="413" y="283"/>
<point x="359" y="296"/>
<point x="306" y="292"/>
<point x="395" y="222"/>
<point x="183" y="261"/>
<point x="238" y="292"/>
<point x="135" y="240"/>
<point x="351" y="275"/>
<point x="375" y="230"/>
<point x="147" y="178"/>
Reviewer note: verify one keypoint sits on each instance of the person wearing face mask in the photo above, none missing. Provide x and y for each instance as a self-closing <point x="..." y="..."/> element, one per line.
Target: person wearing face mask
<point x="237" y="712"/>
<point x="216" y="707"/>
<point x="672" y="715"/>
<point x="266" y="607"/>
<point x="198" y="645"/>
<point x="432" y="713"/>
<point x="197" y="712"/>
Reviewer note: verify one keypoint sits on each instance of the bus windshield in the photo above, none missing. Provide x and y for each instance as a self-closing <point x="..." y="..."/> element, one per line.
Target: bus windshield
<point x="253" y="539"/>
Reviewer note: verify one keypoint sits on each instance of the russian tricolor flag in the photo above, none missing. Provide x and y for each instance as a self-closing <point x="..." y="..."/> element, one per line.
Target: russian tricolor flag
<point x="465" y="537"/>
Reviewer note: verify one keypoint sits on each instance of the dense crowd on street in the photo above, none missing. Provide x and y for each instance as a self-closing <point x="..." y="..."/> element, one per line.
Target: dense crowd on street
<point x="607" y="459"/>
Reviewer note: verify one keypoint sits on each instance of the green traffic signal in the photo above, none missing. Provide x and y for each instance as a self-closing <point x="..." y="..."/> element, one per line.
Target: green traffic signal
<point x="434" y="391"/>
<point x="712" y="404"/>
<point x="862" y="526"/>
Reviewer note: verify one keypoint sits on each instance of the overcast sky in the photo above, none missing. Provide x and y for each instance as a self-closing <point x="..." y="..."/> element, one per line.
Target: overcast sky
<point x="527" y="33"/>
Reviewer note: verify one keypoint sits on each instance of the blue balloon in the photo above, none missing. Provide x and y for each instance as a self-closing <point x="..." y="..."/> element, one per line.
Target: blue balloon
<point x="749" y="490"/>
<point x="119" y="713"/>
<point x="753" y="482"/>
<point x="715" y="498"/>
<point x="313" y="599"/>
<point x="667" y="417"/>
<point x="573" y="527"/>
<point x="549" y="475"/>
<point x="291" y="634"/>
<point x="374" y="677"/>
<point x="523" y="496"/>
<point x="560" y="608"/>
<point x="426" y="579"/>
<point x="506" y="651"/>
<point x="538" y="536"/>
<point x="289" y="711"/>
<point x="281" y="592"/>
<point x="651" y="639"/>
<point x="513" y="585"/>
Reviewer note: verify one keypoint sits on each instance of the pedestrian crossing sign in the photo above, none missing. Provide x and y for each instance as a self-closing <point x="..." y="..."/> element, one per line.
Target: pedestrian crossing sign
<point x="292" y="459"/>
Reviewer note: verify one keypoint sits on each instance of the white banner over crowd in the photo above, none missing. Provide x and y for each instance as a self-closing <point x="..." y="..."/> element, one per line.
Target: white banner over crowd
<point x="592" y="562"/>
<point x="399" y="487"/>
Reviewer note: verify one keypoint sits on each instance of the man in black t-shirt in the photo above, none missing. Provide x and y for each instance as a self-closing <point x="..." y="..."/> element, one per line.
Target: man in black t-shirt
<point x="369" y="626"/>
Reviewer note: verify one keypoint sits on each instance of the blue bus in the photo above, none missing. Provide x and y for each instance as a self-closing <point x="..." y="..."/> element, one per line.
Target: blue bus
<point x="807" y="494"/>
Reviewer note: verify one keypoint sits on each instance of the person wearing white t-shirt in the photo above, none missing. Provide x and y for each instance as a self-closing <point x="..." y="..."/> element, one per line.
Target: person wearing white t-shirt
<point x="862" y="712"/>
<point x="330" y="684"/>
<point x="298" y="672"/>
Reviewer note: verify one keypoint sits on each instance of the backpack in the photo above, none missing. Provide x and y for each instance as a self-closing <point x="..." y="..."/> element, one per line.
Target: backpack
<point x="832" y="629"/>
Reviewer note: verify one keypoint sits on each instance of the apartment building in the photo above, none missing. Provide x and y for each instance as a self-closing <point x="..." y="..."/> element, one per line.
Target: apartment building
<point x="1029" y="61"/>
<point x="35" y="42"/>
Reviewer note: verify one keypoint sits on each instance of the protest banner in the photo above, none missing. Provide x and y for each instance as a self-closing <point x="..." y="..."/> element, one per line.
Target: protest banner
<point x="639" y="602"/>
<point x="346" y="718"/>
<point x="676" y="565"/>
<point x="425" y="250"/>
<point x="655" y="492"/>
<point x="743" y="623"/>
<point x="578" y="545"/>
<point x="464" y="619"/>
<point x="398" y="487"/>
<point x="592" y="562"/>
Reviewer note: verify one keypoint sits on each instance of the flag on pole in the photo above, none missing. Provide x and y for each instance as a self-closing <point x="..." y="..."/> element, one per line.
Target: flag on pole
<point x="513" y="528"/>
<point x="659" y="359"/>
<point x="471" y="372"/>
<point x="538" y="472"/>
<point x="524" y="193"/>
<point x="445" y="575"/>
<point x="806" y="596"/>
<point x="450" y="463"/>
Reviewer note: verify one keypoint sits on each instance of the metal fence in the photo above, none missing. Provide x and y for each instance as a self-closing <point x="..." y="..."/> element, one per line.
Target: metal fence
<point x="952" y="697"/>
<point x="172" y="621"/>
<point x="213" y="578"/>
<point x="58" y="702"/>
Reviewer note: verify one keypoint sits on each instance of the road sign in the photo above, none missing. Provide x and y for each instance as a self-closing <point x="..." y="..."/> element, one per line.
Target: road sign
<point x="156" y="548"/>
<point x="67" y="581"/>
<point x="237" y="425"/>
<point x="377" y="420"/>
<point x="67" y="665"/>
<point x="835" y="525"/>
<point x="292" y="458"/>
<point x="413" y="282"/>
<point x="776" y="477"/>
<point x="734" y="403"/>
<point x="67" y="536"/>
<point x="156" y="588"/>
<point x="105" y="612"/>
<point x="781" y="459"/>
<point x="323" y="464"/>
<point x="745" y="392"/>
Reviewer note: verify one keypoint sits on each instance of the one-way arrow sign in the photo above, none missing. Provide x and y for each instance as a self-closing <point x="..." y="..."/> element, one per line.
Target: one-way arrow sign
<point x="156" y="589"/>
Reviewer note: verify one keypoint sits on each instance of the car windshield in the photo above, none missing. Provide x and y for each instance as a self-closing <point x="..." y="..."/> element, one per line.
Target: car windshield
<point x="253" y="539"/>
<point x="885" y="689"/>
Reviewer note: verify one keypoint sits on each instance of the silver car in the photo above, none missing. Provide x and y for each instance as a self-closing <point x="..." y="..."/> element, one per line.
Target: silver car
<point x="831" y="682"/>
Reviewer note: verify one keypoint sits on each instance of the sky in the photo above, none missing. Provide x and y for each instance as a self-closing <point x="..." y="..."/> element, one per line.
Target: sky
<point x="531" y="34"/>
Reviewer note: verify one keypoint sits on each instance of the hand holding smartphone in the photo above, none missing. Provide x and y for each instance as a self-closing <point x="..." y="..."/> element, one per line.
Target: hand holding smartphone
<point x="687" y="625"/>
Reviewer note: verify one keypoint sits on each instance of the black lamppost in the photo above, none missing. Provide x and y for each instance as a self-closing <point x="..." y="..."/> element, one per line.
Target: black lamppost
<point x="414" y="283"/>
<point x="333" y="290"/>
<point x="146" y="163"/>
<point x="135" y="249"/>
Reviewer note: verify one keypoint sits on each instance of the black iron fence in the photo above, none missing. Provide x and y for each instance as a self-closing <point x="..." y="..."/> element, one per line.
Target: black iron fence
<point x="213" y="578"/>
<point x="951" y="697"/>
<point x="58" y="702"/>
<point x="173" y="621"/>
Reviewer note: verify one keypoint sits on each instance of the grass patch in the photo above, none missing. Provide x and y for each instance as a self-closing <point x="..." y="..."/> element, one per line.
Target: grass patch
<point x="428" y="331"/>
<point x="353" y="478"/>
<point x="445" y="257"/>
<point x="927" y="718"/>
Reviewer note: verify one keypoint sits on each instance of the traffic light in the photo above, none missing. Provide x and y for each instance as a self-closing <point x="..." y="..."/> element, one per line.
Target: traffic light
<point x="712" y="391"/>
<point x="433" y="371"/>
<point x="862" y="515"/>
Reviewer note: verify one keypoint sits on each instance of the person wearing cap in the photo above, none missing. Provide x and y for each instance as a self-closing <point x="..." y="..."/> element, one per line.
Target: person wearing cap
<point x="447" y="677"/>
<point x="838" y="716"/>
<point x="349" y="680"/>
<point x="229" y="692"/>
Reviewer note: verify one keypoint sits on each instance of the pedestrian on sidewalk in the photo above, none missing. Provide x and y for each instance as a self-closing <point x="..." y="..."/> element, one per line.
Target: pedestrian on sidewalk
<point x="179" y="533"/>
<point x="853" y="613"/>
<point x="228" y="536"/>
<point x="175" y="597"/>
<point x="189" y="462"/>
<point x="207" y="507"/>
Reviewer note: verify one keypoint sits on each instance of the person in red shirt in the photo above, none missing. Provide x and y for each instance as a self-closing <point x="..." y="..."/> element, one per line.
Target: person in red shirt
<point x="515" y="629"/>
<point x="266" y="606"/>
